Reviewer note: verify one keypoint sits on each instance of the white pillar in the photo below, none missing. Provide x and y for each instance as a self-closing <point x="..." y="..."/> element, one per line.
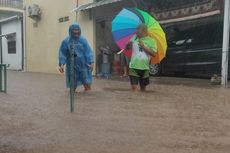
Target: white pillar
<point x="24" y="42"/>
<point x="225" y="49"/>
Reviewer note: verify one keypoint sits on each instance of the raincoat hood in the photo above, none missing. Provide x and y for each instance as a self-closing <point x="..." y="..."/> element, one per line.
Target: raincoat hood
<point x="74" y="26"/>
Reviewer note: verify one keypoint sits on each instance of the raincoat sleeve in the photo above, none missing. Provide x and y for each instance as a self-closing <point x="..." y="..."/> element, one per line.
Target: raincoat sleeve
<point x="63" y="53"/>
<point x="89" y="53"/>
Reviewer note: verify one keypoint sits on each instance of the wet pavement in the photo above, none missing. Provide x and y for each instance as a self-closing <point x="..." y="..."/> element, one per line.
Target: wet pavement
<point x="175" y="116"/>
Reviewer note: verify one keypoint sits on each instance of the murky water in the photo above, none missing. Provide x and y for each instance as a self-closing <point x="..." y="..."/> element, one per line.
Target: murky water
<point x="173" y="116"/>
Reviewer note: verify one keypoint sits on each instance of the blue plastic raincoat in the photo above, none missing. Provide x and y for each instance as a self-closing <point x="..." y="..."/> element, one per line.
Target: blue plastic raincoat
<point x="83" y="58"/>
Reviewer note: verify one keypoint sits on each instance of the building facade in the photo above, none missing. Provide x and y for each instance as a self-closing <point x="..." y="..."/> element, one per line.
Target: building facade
<point x="11" y="31"/>
<point x="44" y="36"/>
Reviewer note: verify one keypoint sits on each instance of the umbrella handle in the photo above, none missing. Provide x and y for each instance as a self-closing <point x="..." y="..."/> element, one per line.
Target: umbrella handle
<point x="121" y="51"/>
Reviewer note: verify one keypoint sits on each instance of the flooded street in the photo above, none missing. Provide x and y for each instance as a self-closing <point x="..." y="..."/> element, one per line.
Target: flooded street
<point x="192" y="117"/>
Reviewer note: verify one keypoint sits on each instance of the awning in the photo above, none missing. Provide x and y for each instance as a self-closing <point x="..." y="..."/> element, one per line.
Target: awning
<point x="94" y="4"/>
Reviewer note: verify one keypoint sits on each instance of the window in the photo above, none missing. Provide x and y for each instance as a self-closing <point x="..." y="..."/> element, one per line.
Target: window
<point x="63" y="19"/>
<point x="60" y="20"/>
<point x="12" y="47"/>
<point x="66" y="19"/>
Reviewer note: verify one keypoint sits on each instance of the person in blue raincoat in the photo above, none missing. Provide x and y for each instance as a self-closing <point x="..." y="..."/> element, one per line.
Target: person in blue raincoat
<point x="83" y="58"/>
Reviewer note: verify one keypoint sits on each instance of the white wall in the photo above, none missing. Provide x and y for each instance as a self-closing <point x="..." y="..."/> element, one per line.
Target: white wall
<point x="15" y="60"/>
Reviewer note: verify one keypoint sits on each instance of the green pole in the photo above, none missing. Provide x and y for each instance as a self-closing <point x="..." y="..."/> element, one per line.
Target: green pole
<point x="1" y="85"/>
<point x="71" y="48"/>
<point x="5" y="79"/>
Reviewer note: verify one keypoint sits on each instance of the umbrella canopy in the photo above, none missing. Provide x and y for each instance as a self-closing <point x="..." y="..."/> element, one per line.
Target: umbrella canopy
<point x="124" y="27"/>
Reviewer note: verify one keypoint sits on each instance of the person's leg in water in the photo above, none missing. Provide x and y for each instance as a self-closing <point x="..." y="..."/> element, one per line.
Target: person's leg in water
<point x="87" y="87"/>
<point x="134" y="83"/>
<point x="86" y="79"/>
<point x="124" y="65"/>
<point x="134" y="79"/>
<point x="135" y="88"/>
<point x="125" y="71"/>
<point x="144" y="80"/>
<point x="143" y="88"/>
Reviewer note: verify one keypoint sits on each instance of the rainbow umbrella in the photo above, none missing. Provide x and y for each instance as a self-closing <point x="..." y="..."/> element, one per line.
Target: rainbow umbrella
<point x="125" y="24"/>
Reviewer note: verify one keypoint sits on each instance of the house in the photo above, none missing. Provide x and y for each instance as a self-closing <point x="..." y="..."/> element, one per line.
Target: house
<point x="11" y="34"/>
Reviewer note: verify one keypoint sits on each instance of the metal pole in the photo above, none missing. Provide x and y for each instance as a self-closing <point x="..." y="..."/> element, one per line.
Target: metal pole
<point x="24" y="42"/>
<point x="1" y="81"/>
<point x="225" y="49"/>
<point x="5" y="79"/>
<point x="1" y="45"/>
<point x="72" y="90"/>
